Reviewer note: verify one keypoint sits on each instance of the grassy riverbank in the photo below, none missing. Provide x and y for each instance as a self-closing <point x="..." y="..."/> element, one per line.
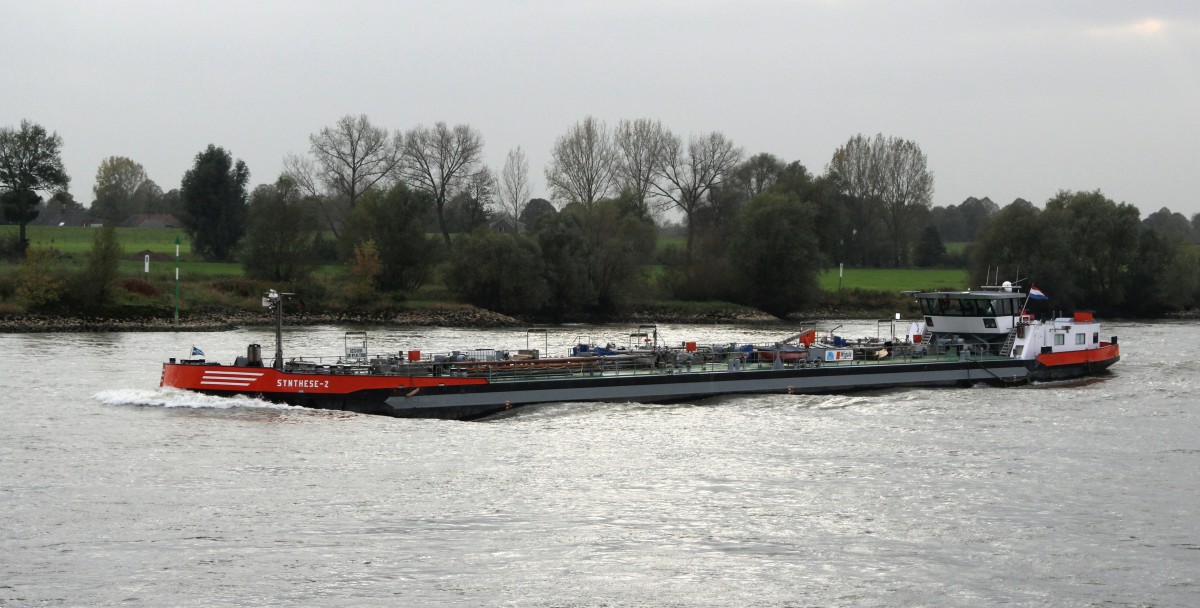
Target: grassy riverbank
<point x="215" y="294"/>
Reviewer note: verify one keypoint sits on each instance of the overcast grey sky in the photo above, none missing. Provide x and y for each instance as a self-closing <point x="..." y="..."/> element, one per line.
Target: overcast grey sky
<point x="1007" y="99"/>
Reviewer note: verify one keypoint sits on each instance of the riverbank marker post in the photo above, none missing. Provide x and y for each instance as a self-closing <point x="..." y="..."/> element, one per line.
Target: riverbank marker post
<point x="177" y="280"/>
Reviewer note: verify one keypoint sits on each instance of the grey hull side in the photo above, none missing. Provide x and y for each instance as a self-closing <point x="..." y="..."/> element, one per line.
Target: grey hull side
<point x="664" y="388"/>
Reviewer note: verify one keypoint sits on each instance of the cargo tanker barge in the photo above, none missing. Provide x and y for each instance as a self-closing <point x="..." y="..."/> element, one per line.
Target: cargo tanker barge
<point x="963" y="338"/>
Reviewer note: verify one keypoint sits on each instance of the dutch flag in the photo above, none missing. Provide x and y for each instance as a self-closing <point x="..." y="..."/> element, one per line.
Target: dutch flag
<point x="197" y="352"/>
<point x="1036" y="294"/>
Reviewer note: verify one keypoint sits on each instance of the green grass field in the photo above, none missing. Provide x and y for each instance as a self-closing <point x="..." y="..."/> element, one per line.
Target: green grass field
<point x="895" y="279"/>
<point x="77" y="239"/>
<point x="666" y="242"/>
<point x="956" y="247"/>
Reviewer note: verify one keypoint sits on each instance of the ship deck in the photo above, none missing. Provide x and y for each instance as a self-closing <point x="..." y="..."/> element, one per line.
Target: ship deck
<point x="558" y="369"/>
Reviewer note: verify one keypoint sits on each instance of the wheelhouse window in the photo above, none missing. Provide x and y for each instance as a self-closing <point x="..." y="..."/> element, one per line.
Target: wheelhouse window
<point x="1081" y="338"/>
<point x="1003" y="308"/>
<point x="947" y="306"/>
<point x="1060" y="339"/>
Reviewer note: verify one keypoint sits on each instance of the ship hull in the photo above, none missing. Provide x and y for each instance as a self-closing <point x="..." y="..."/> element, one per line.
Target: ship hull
<point x="470" y="398"/>
<point x="1075" y="364"/>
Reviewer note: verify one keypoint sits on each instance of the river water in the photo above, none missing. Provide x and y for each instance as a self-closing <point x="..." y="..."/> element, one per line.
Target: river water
<point x="115" y="492"/>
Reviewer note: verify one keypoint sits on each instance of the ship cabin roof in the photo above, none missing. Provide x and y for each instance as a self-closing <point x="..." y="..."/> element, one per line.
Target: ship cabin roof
<point x="970" y="303"/>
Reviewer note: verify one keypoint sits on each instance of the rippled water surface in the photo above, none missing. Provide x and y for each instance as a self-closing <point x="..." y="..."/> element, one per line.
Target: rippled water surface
<point x="113" y="491"/>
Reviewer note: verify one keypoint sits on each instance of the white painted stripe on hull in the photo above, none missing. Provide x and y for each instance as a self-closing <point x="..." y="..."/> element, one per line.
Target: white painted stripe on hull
<point x="229" y="378"/>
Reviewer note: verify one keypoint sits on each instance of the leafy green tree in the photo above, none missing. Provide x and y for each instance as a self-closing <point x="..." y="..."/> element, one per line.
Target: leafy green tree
<point x="103" y="265"/>
<point x="832" y="224"/>
<point x="1172" y="226"/>
<point x="214" y="203"/>
<point x="395" y="220"/>
<point x="20" y="206"/>
<point x="620" y="240"/>
<point x="1022" y="244"/>
<point x="1181" y="278"/>
<point x="715" y="221"/>
<point x="949" y="222"/>
<point x="930" y="248"/>
<point x="1102" y="236"/>
<point x="1153" y="284"/>
<point x="146" y="198"/>
<point x="976" y="212"/>
<point x="62" y="201"/>
<point x="280" y="228"/>
<point x="170" y="203"/>
<point x="1084" y="249"/>
<point x="535" y="209"/>
<point x="38" y="282"/>
<point x="502" y="272"/>
<point x="118" y="179"/>
<point x="465" y="213"/>
<point x="10" y="249"/>
<point x="778" y="265"/>
<point x="562" y="237"/>
<point x="593" y="255"/>
<point x="364" y="271"/>
<point x="758" y="173"/>
<point x="30" y="161"/>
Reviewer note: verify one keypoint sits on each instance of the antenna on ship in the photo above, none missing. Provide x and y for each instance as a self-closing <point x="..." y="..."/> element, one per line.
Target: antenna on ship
<point x="274" y="300"/>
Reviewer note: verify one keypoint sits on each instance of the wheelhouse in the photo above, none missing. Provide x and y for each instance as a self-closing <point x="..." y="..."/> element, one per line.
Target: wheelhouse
<point x="981" y="321"/>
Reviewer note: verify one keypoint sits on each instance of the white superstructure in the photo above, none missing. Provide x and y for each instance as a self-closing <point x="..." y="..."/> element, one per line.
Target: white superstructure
<point x="994" y="322"/>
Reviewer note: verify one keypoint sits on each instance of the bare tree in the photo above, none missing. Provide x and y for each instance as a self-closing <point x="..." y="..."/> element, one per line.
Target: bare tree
<point x="332" y="206"/>
<point x="514" y="183"/>
<point x="441" y="161"/>
<point x="582" y="164"/>
<point x="347" y="159"/>
<point x="354" y="155"/>
<point x="639" y="145"/>
<point x="687" y="177"/>
<point x="888" y="181"/>
<point x="908" y="193"/>
<point x="859" y="166"/>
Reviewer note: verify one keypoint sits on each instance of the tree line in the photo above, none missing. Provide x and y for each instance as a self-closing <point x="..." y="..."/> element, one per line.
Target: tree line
<point x="756" y="229"/>
<point x="1085" y="250"/>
